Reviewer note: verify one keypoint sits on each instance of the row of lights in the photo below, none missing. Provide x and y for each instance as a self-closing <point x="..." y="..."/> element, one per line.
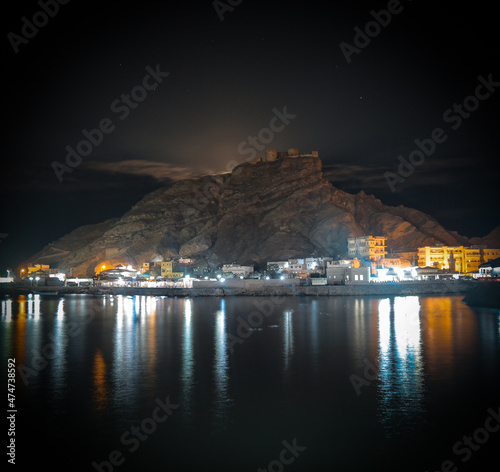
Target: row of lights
<point x="222" y="279"/>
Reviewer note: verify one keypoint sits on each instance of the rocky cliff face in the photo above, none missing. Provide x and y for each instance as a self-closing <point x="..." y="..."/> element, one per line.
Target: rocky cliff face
<point x="260" y="212"/>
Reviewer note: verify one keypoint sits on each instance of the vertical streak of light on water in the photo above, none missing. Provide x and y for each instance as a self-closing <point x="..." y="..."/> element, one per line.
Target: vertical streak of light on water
<point x="401" y="381"/>
<point x="221" y="368"/>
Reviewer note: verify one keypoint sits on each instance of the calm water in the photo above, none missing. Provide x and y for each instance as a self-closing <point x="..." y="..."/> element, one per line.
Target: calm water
<point x="362" y="383"/>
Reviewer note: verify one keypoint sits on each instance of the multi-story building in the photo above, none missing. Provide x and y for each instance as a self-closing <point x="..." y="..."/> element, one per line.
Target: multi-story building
<point x="170" y="271"/>
<point x="368" y="248"/>
<point x="456" y="258"/>
<point x="296" y="265"/>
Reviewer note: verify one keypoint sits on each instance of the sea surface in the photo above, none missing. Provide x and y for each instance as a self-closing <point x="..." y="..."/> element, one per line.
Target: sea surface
<point x="116" y="383"/>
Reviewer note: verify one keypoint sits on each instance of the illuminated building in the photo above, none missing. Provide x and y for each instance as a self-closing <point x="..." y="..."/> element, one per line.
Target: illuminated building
<point x="370" y="249"/>
<point x="456" y="258"/>
<point x="167" y="270"/>
<point x="37" y="267"/>
<point x="490" y="269"/>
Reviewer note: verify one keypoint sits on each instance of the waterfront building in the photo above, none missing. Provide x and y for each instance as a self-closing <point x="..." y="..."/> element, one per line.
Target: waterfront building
<point x="432" y="273"/>
<point x="346" y="271"/>
<point x="370" y="248"/>
<point x="170" y="270"/>
<point x="456" y="258"/>
<point x="236" y="269"/>
<point x="490" y="269"/>
<point x="337" y="274"/>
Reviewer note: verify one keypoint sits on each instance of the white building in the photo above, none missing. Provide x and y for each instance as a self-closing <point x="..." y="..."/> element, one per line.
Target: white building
<point x="237" y="269"/>
<point x="296" y="265"/>
<point x="490" y="269"/>
<point x="341" y="274"/>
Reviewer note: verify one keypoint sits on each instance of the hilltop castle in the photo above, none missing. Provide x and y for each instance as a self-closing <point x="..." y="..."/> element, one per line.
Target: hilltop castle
<point x="274" y="155"/>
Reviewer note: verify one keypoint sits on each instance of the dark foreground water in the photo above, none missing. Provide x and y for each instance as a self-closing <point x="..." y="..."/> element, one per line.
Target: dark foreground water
<point x="333" y="383"/>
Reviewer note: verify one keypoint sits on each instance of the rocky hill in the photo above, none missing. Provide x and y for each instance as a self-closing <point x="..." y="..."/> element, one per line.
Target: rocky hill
<point x="260" y="212"/>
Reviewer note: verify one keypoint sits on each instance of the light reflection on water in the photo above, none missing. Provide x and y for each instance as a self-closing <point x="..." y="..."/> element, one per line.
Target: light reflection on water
<point x="222" y="400"/>
<point x="141" y="348"/>
<point x="400" y="364"/>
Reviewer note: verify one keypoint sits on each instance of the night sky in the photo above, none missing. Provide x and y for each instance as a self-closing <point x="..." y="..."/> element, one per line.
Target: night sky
<point x="228" y="69"/>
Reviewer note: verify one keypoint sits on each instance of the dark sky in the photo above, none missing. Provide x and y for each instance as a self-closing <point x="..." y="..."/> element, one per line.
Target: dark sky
<point x="225" y="78"/>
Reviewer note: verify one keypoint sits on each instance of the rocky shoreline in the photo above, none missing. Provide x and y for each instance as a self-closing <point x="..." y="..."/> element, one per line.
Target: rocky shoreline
<point x="454" y="287"/>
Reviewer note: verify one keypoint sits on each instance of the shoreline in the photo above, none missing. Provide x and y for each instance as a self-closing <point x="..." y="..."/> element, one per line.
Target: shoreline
<point x="456" y="287"/>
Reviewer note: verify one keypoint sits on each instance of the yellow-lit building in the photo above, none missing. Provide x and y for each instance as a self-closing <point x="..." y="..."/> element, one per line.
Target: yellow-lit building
<point x="37" y="267"/>
<point x="166" y="266"/>
<point x="167" y="270"/>
<point x="456" y="258"/>
<point x="372" y="248"/>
